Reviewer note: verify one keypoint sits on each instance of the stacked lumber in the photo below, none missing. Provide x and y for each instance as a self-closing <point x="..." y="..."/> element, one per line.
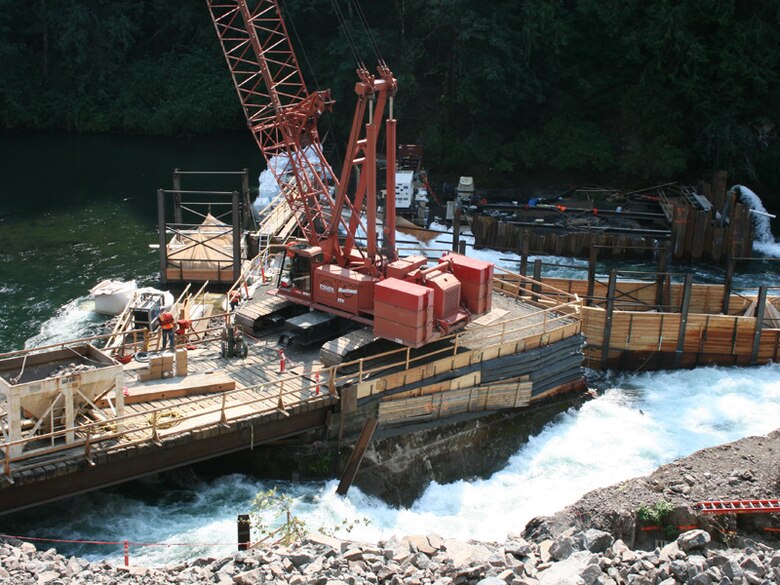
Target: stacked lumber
<point x="189" y="386"/>
<point x="511" y="381"/>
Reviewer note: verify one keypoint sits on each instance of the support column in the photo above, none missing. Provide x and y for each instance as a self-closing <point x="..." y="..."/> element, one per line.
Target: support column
<point x="593" y="256"/>
<point x="161" y="236"/>
<point x="244" y="531"/>
<point x="684" y="309"/>
<point x="759" y="324"/>
<point x="608" y="321"/>
<point x="119" y="399"/>
<point x="727" y="282"/>
<point x="456" y="225"/>
<point x="70" y="414"/>
<point x="389" y="221"/>
<point x="246" y="205"/>
<point x="660" y="279"/>
<point x="236" y="238"/>
<point x="357" y="455"/>
<point x="537" y="277"/>
<point x="15" y="422"/>
<point x="177" y="215"/>
<point x="524" y="252"/>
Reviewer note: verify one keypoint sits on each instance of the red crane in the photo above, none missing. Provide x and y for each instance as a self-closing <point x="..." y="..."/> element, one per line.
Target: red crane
<point x="339" y="277"/>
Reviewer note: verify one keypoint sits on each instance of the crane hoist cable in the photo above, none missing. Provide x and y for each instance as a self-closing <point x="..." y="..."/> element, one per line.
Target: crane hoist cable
<point x="347" y="32"/>
<point x="288" y="18"/>
<point x="369" y="34"/>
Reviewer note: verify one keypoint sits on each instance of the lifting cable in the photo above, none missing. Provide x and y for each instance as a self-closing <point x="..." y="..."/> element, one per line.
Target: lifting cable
<point x="369" y="34"/>
<point x="347" y="33"/>
<point x="288" y="18"/>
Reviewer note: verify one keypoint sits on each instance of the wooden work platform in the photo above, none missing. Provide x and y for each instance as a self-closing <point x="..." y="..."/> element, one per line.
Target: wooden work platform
<point x="173" y="422"/>
<point x="525" y="348"/>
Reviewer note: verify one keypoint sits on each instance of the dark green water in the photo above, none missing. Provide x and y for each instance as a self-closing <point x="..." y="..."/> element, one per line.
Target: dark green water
<point x="77" y="209"/>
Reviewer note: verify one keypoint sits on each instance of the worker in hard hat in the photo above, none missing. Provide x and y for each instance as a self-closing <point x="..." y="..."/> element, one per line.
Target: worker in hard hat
<point x="166" y="327"/>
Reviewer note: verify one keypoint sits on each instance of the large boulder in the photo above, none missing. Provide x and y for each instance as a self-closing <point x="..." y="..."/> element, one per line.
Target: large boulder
<point x="693" y="540"/>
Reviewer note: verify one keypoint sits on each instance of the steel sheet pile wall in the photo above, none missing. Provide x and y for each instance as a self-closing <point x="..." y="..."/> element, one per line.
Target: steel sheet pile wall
<point x="705" y="224"/>
<point x="490" y="232"/>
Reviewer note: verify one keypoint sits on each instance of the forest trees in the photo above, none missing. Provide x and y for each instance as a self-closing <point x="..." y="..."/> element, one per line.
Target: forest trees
<point x="658" y="88"/>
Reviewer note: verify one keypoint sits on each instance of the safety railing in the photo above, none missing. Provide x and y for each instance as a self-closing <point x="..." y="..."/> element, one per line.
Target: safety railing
<point x="218" y="409"/>
<point x="140" y="336"/>
<point x="221" y="409"/>
<point x="544" y="321"/>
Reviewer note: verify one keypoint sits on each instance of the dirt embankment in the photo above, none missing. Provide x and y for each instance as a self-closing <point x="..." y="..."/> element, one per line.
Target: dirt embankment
<point x="742" y="470"/>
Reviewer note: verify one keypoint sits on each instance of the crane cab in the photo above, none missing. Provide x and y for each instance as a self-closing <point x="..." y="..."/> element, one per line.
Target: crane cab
<point x="295" y="275"/>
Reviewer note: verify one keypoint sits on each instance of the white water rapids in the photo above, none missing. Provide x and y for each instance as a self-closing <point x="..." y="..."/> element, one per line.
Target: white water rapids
<point x="765" y="241"/>
<point x="637" y="423"/>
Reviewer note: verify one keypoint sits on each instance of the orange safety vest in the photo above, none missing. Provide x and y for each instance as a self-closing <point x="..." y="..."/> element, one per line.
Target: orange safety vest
<point x="166" y="321"/>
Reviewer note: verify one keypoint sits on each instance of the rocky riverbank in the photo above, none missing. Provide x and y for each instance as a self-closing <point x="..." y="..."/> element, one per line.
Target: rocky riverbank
<point x="606" y="538"/>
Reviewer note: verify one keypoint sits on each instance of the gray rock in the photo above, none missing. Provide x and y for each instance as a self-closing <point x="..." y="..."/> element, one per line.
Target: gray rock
<point x="421" y="544"/>
<point x="518" y="547"/>
<point x="597" y="540"/>
<point x="731" y="569"/>
<point x="752" y="564"/>
<point x="253" y="577"/>
<point x="592" y="574"/>
<point x="491" y="581"/>
<point x="701" y="579"/>
<point x="693" y="540"/>
<point x="47" y="577"/>
<point x="562" y="548"/>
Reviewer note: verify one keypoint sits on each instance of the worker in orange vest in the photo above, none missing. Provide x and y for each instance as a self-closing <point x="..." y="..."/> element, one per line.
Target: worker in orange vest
<point x="166" y="324"/>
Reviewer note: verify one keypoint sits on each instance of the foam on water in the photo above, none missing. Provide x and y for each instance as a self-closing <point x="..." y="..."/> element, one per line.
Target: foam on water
<point x="765" y="241"/>
<point x="74" y="320"/>
<point x="637" y="423"/>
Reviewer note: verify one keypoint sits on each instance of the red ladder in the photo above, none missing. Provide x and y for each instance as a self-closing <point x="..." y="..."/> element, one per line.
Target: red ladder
<point x="738" y="506"/>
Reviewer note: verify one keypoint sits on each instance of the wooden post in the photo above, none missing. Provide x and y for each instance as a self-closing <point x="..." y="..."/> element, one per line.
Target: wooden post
<point x="7" y="465"/>
<point x="660" y="278"/>
<point x="246" y="204"/>
<point x="537" y="278"/>
<point x="236" y="238"/>
<point x="88" y="447"/>
<point x="525" y="251"/>
<point x="456" y="226"/>
<point x="759" y="324"/>
<point x="592" y="257"/>
<point x="177" y="216"/>
<point x="161" y="239"/>
<point x="730" y="265"/>
<point x="357" y="456"/>
<point x="684" y="308"/>
<point x="608" y="321"/>
<point x="244" y="531"/>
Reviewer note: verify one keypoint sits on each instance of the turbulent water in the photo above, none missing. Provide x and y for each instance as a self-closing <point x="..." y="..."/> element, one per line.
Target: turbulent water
<point x="635" y="424"/>
<point x="63" y="230"/>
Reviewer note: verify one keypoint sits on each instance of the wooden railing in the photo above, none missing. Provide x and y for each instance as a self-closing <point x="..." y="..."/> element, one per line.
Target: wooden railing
<point x="144" y="427"/>
<point x="140" y="428"/>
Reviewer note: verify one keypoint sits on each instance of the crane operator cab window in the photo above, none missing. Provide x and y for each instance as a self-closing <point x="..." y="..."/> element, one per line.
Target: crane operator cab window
<point x="296" y="272"/>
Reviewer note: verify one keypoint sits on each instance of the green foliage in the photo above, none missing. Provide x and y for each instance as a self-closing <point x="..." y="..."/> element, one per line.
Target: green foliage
<point x="645" y="88"/>
<point x="656" y="514"/>
<point x="273" y="520"/>
<point x="289" y="528"/>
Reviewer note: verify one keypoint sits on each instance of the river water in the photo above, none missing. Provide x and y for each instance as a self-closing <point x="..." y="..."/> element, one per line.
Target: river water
<point x="76" y="210"/>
